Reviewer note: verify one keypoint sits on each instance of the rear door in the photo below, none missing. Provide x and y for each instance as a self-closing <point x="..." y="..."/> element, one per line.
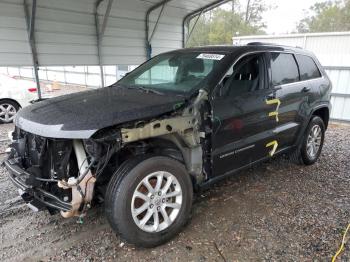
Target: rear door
<point x="291" y="95"/>
<point x="242" y="126"/>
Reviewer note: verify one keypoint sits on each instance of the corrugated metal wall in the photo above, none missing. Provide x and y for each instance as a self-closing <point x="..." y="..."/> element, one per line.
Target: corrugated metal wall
<point x="333" y="51"/>
<point x="65" y="32"/>
<point x="88" y="76"/>
<point x="14" y="47"/>
<point x="66" y="35"/>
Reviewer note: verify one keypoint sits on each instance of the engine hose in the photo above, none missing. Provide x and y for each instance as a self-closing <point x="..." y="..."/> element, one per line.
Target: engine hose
<point x="81" y="176"/>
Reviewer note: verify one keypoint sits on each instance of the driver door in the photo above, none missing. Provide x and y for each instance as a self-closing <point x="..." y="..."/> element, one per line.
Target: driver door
<point x="242" y="127"/>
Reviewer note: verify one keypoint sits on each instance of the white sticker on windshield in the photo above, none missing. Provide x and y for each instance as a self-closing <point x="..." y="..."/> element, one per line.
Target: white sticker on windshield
<point x="211" y="56"/>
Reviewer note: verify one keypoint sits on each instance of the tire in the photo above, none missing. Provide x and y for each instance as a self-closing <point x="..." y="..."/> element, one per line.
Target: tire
<point x="305" y="156"/>
<point x="122" y="203"/>
<point x="8" y="111"/>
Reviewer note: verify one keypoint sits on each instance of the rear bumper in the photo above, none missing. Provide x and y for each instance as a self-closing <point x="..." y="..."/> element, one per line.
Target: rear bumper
<point x="32" y="195"/>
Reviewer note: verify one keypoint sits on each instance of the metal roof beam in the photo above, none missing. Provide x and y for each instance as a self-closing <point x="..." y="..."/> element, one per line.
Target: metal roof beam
<point x="187" y="18"/>
<point x="105" y="18"/>
<point x="193" y="27"/>
<point x="157" y="22"/>
<point x="100" y="33"/>
<point x="148" y="13"/>
<point x="30" y="22"/>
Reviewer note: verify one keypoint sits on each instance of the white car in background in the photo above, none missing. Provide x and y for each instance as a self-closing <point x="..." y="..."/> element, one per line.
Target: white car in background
<point x="15" y="94"/>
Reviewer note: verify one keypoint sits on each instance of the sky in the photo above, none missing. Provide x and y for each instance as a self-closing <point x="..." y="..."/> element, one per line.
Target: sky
<point x="284" y="17"/>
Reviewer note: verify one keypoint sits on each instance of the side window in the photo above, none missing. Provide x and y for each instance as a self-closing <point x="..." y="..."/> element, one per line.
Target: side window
<point x="245" y="76"/>
<point x="307" y="67"/>
<point x="284" y="69"/>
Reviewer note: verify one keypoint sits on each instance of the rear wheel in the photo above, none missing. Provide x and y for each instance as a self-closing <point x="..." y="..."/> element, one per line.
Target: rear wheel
<point x="312" y="142"/>
<point x="149" y="200"/>
<point x="8" y="111"/>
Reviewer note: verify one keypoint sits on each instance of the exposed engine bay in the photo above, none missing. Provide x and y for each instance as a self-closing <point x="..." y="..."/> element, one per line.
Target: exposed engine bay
<point x="70" y="175"/>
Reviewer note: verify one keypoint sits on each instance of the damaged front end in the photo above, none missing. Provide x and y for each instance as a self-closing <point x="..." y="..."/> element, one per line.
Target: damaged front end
<point x="66" y="174"/>
<point x="57" y="174"/>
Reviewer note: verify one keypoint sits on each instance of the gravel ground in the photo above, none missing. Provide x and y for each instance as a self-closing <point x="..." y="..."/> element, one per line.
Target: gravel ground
<point x="276" y="211"/>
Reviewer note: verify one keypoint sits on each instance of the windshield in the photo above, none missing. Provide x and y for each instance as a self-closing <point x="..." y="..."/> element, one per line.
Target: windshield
<point x="173" y="72"/>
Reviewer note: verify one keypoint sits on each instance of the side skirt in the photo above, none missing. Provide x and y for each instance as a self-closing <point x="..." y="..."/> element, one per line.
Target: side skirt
<point x="215" y="179"/>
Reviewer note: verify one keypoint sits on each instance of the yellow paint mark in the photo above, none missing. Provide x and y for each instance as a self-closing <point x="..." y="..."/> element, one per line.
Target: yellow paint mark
<point x="272" y="102"/>
<point x="275" y="113"/>
<point x="273" y="143"/>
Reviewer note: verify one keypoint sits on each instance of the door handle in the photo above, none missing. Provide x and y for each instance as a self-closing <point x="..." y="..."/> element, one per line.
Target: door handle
<point x="306" y="89"/>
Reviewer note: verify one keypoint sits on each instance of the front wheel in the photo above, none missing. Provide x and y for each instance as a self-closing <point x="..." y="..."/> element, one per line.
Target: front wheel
<point x="149" y="200"/>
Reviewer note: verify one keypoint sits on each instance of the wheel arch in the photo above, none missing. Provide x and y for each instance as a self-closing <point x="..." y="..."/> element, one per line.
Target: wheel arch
<point x="12" y="100"/>
<point x="167" y="147"/>
<point x="322" y="110"/>
<point x="173" y="146"/>
<point x="323" y="113"/>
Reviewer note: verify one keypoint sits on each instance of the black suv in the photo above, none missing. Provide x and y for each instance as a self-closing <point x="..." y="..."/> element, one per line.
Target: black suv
<point x="177" y="123"/>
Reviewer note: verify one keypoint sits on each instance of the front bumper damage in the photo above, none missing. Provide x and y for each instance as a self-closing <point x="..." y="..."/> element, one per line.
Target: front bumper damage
<point x="32" y="191"/>
<point x="36" y="198"/>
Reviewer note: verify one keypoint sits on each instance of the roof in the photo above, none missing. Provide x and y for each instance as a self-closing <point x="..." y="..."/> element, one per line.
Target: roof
<point x="64" y="32"/>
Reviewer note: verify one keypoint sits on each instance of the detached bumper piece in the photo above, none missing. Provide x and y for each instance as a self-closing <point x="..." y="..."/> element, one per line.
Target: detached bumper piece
<point x="35" y="197"/>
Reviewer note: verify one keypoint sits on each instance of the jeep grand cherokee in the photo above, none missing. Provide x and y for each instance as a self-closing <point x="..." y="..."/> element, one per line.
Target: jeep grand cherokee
<point x="177" y="123"/>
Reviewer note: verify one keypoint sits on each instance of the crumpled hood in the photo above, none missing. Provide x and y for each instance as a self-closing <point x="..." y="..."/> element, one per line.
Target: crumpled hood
<point x="81" y="114"/>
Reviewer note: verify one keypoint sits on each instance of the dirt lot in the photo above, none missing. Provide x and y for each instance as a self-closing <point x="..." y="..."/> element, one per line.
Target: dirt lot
<point x="276" y="211"/>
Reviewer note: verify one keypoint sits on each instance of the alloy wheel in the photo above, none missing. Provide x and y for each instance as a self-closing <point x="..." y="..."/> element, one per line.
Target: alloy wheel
<point x="314" y="140"/>
<point x="156" y="201"/>
<point x="7" y="112"/>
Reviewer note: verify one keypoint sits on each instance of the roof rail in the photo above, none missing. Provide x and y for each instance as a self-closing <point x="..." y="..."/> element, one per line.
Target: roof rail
<point x="273" y="44"/>
<point x="260" y="43"/>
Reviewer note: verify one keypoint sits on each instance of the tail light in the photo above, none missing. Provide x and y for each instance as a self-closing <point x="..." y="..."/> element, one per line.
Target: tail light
<point x="32" y="89"/>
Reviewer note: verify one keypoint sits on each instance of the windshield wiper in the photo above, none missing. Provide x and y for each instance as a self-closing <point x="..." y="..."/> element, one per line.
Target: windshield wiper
<point x="147" y="90"/>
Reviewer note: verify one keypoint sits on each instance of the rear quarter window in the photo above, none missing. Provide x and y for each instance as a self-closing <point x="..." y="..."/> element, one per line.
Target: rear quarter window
<point x="284" y="69"/>
<point x="308" y="68"/>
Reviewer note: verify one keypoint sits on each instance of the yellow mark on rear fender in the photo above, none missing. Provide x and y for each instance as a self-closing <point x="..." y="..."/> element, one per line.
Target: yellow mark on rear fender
<point x="272" y="102"/>
<point x="274" y="145"/>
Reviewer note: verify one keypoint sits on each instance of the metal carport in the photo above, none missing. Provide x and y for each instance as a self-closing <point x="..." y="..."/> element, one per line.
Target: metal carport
<point x="93" y="32"/>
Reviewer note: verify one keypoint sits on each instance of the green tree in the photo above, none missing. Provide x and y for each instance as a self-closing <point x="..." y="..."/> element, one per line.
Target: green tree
<point x="219" y="25"/>
<point x="253" y="13"/>
<point x="330" y="16"/>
